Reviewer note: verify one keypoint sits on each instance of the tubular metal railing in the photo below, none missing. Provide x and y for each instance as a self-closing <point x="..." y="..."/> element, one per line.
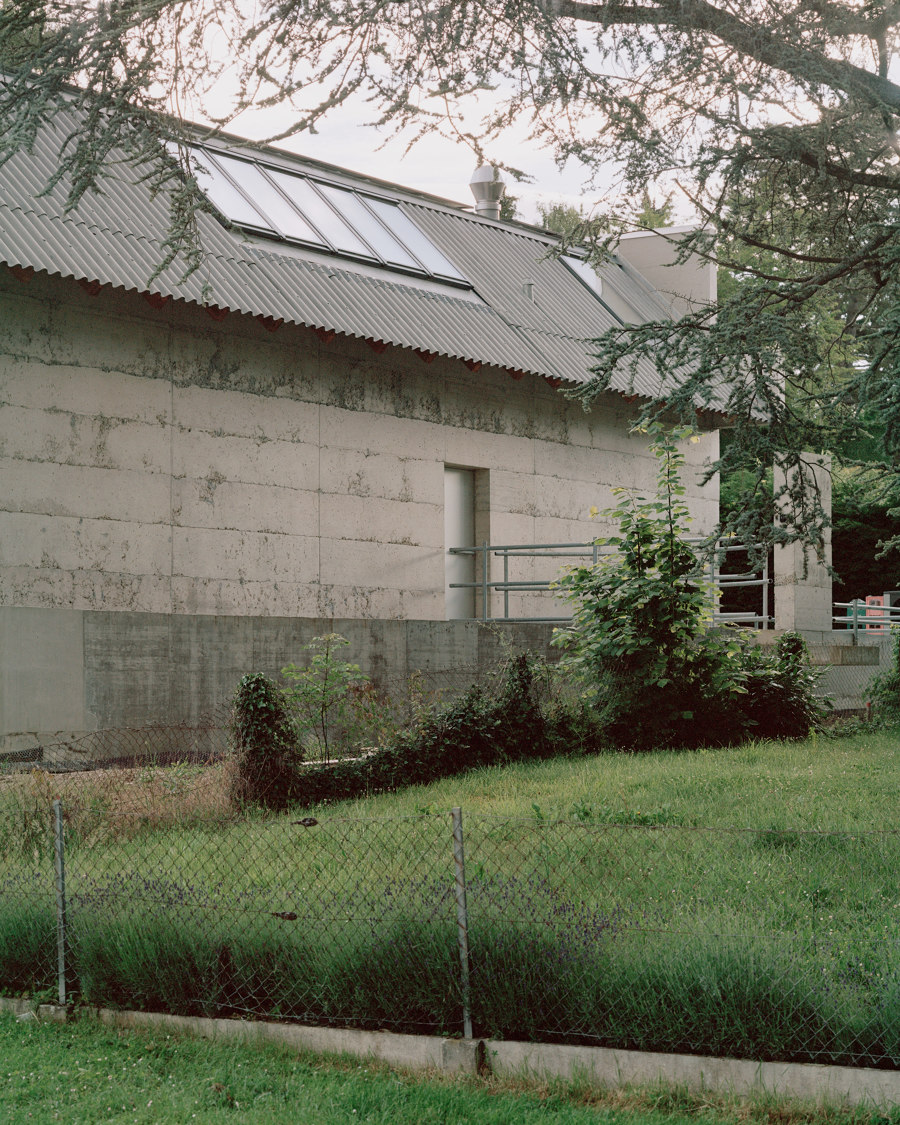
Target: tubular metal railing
<point x="866" y="618"/>
<point x="485" y="586"/>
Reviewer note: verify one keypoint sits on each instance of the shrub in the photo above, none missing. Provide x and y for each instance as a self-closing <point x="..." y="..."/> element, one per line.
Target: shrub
<point x="329" y="700"/>
<point x="481" y="728"/>
<point x="267" y="752"/>
<point x="641" y="639"/>
<point x="779" y="699"/>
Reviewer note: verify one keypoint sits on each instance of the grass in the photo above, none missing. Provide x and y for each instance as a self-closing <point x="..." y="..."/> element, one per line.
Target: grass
<point x="734" y="902"/>
<point x="824" y="783"/>
<point x="82" y="1073"/>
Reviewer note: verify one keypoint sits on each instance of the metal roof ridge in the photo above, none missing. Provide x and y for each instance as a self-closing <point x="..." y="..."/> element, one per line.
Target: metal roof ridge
<point x="516" y="227"/>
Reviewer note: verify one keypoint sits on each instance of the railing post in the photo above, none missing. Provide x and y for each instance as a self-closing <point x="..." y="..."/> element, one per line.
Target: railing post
<point x="506" y="585"/>
<point x="60" y="866"/>
<point x="484" y="581"/>
<point x="462" y="919"/>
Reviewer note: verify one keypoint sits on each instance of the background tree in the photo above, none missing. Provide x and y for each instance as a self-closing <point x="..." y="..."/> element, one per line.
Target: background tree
<point x="563" y="219"/>
<point x="737" y="100"/>
<point x="509" y="207"/>
<point x="652" y="215"/>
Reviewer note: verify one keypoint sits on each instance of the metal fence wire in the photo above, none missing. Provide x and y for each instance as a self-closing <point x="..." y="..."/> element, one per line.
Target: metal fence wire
<point x="755" y="944"/>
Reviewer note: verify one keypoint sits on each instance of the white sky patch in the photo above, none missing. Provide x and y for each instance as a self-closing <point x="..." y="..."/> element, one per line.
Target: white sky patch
<point x="434" y="164"/>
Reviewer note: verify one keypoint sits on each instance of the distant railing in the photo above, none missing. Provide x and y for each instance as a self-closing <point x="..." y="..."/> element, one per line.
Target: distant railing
<point x="591" y="553"/>
<point x="864" y="617"/>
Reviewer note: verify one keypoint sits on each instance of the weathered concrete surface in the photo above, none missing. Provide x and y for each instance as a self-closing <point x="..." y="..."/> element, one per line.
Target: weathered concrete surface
<point x="156" y="461"/>
<point x="64" y="673"/>
<point x="822" y="1084"/>
<point x="831" y="1085"/>
<point x="42" y="664"/>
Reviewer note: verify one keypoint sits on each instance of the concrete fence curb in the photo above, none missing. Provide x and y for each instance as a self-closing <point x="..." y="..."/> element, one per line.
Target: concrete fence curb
<point x="831" y="1085"/>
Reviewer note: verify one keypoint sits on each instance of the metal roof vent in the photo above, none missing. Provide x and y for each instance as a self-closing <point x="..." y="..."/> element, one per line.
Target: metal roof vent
<point x="488" y="189"/>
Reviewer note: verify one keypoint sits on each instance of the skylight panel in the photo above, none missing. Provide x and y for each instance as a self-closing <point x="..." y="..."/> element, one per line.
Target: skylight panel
<point x="283" y="218"/>
<point x="589" y="276"/>
<point x="230" y="201"/>
<point x="411" y="237"/>
<point x="355" y="211"/>
<point x="305" y="197"/>
<point x="298" y="207"/>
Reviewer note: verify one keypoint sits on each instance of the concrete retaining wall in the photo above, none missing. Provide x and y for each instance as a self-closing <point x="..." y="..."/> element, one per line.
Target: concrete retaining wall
<point x="829" y="1085"/>
<point x="65" y="672"/>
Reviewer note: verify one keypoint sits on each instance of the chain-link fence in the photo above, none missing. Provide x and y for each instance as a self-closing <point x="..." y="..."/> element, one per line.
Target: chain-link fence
<point x="761" y="944"/>
<point x="847" y="686"/>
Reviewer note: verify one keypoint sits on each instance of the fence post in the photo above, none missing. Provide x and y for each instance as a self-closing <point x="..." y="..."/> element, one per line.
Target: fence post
<point x="60" y="865"/>
<point x="462" y="919"/>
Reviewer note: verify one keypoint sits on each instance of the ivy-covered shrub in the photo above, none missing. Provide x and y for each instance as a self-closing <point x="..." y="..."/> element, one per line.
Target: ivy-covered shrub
<point x="482" y="728"/>
<point x="267" y="751"/>
<point x="779" y="698"/>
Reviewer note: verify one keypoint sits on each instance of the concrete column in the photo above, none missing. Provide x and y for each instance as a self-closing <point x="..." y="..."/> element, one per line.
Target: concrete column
<point x="803" y="597"/>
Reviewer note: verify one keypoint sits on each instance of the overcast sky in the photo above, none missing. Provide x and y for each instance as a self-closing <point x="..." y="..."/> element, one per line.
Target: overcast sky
<point x="434" y="165"/>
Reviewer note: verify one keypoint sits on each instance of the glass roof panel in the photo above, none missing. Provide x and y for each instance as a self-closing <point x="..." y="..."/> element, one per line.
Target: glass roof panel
<point x="362" y="220"/>
<point x="301" y="208"/>
<point x="233" y="205"/>
<point x="305" y="197"/>
<point x="585" y="272"/>
<point x="411" y="237"/>
<point x="282" y="216"/>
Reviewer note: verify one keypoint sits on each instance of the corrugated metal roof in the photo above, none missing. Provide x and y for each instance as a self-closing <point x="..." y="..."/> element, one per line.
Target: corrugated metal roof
<point x="563" y="314"/>
<point x="117" y="237"/>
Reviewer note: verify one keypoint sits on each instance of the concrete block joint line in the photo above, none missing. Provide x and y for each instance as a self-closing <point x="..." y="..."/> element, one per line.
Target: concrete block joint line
<point x="608" y="1067"/>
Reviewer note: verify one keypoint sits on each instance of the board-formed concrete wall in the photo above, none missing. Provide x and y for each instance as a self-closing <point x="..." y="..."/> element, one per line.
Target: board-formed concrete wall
<point x="65" y="672"/>
<point x="158" y="463"/>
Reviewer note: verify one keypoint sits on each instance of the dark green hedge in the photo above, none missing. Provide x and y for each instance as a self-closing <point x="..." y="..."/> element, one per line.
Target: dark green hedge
<point x="478" y="729"/>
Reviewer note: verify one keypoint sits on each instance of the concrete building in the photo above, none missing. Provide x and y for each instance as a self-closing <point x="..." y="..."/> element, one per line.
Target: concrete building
<point x="201" y="473"/>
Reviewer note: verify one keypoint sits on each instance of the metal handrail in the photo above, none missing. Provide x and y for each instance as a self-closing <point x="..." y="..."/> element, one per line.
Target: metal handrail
<point x="872" y="619"/>
<point x="593" y="551"/>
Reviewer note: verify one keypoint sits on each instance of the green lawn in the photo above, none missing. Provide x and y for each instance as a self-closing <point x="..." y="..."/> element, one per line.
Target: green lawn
<point x="81" y="1074"/>
<point x="825" y="783"/>
<point x="738" y="902"/>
